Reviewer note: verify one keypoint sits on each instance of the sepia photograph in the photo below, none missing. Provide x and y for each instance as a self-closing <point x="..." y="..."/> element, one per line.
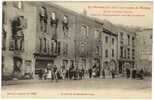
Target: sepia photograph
<point x="70" y="49"/>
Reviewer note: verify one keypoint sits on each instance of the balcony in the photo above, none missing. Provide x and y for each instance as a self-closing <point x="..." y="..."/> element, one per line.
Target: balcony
<point x="44" y="50"/>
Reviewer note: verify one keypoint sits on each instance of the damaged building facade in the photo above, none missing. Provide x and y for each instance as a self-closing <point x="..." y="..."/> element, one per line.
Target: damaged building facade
<point x="38" y="33"/>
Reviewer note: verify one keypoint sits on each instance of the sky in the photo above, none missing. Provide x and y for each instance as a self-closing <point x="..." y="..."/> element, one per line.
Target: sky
<point x="123" y="13"/>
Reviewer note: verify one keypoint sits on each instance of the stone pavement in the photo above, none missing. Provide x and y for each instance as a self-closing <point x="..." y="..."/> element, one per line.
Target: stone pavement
<point x="108" y="88"/>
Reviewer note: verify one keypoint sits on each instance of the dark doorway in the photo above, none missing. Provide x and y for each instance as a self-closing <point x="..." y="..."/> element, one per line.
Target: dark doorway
<point x="41" y="64"/>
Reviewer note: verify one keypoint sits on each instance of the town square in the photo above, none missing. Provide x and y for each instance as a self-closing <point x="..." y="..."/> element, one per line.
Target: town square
<point x="49" y="47"/>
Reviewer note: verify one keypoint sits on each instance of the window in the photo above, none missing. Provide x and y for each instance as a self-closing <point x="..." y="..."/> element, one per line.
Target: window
<point x="65" y="49"/>
<point x="133" y="54"/>
<point x="97" y="34"/>
<point x="4" y="13"/>
<point x="128" y="39"/>
<point x="18" y="25"/>
<point x="3" y="65"/>
<point x="84" y="31"/>
<point x="82" y="49"/>
<point x="58" y="46"/>
<point x="43" y="19"/>
<point x="65" y="26"/>
<point x="97" y="50"/>
<point x="106" y="39"/>
<point x="133" y="42"/>
<point x="113" y="41"/>
<point x="52" y="46"/>
<point x="106" y="53"/>
<point x="40" y="44"/>
<point x="48" y="46"/>
<point x="121" y="52"/>
<point x="128" y="50"/>
<point x="125" y="53"/>
<point x="45" y="45"/>
<point x="53" y="16"/>
<point x="112" y="52"/>
<point x="121" y="35"/>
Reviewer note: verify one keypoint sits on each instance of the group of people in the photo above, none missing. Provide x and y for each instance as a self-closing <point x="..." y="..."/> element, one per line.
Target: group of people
<point x="76" y="73"/>
<point x="54" y="73"/>
<point x="134" y="73"/>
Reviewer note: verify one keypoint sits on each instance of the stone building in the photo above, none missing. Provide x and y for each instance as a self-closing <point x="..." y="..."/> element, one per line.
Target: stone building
<point x="144" y="49"/>
<point x="88" y="42"/>
<point x="109" y="45"/>
<point x="19" y="27"/>
<point x="126" y="48"/>
<point x="35" y="34"/>
<point x="38" y="33"/>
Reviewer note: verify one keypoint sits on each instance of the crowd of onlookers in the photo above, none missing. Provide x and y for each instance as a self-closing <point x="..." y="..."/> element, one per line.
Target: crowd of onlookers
<point x="76" y="73"/>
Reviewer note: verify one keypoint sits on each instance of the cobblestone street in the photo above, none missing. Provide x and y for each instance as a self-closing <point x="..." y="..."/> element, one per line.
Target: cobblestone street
<point x="107" y="88"/>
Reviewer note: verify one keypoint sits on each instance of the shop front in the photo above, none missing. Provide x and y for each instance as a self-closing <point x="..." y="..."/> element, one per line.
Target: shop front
<point x="42" y="61"/>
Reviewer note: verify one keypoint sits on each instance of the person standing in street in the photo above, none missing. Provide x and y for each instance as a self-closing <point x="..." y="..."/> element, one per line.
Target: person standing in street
<point x="41" y="74"/>
<point x="134" y="73"/>
<point x="63" y="71"/>
<point x="52" y="71"/>
<point x="103" y="72"/>
<point x="55" y="73"/>
<point x="141" y="72"/>
<point x="113" y="72"/>
<point x="90" y="72"/>
<point x="127" y="72"/>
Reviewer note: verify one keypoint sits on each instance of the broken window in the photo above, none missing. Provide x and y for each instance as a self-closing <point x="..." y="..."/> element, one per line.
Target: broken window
<point x="19" y="23"/>
<point x="54" y="24"/>
<point x="43" y="19"/>
<point x="65" y="26"/>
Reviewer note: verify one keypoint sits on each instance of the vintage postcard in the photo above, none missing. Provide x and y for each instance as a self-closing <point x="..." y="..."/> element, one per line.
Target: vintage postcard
<point x="94" y="49"/>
